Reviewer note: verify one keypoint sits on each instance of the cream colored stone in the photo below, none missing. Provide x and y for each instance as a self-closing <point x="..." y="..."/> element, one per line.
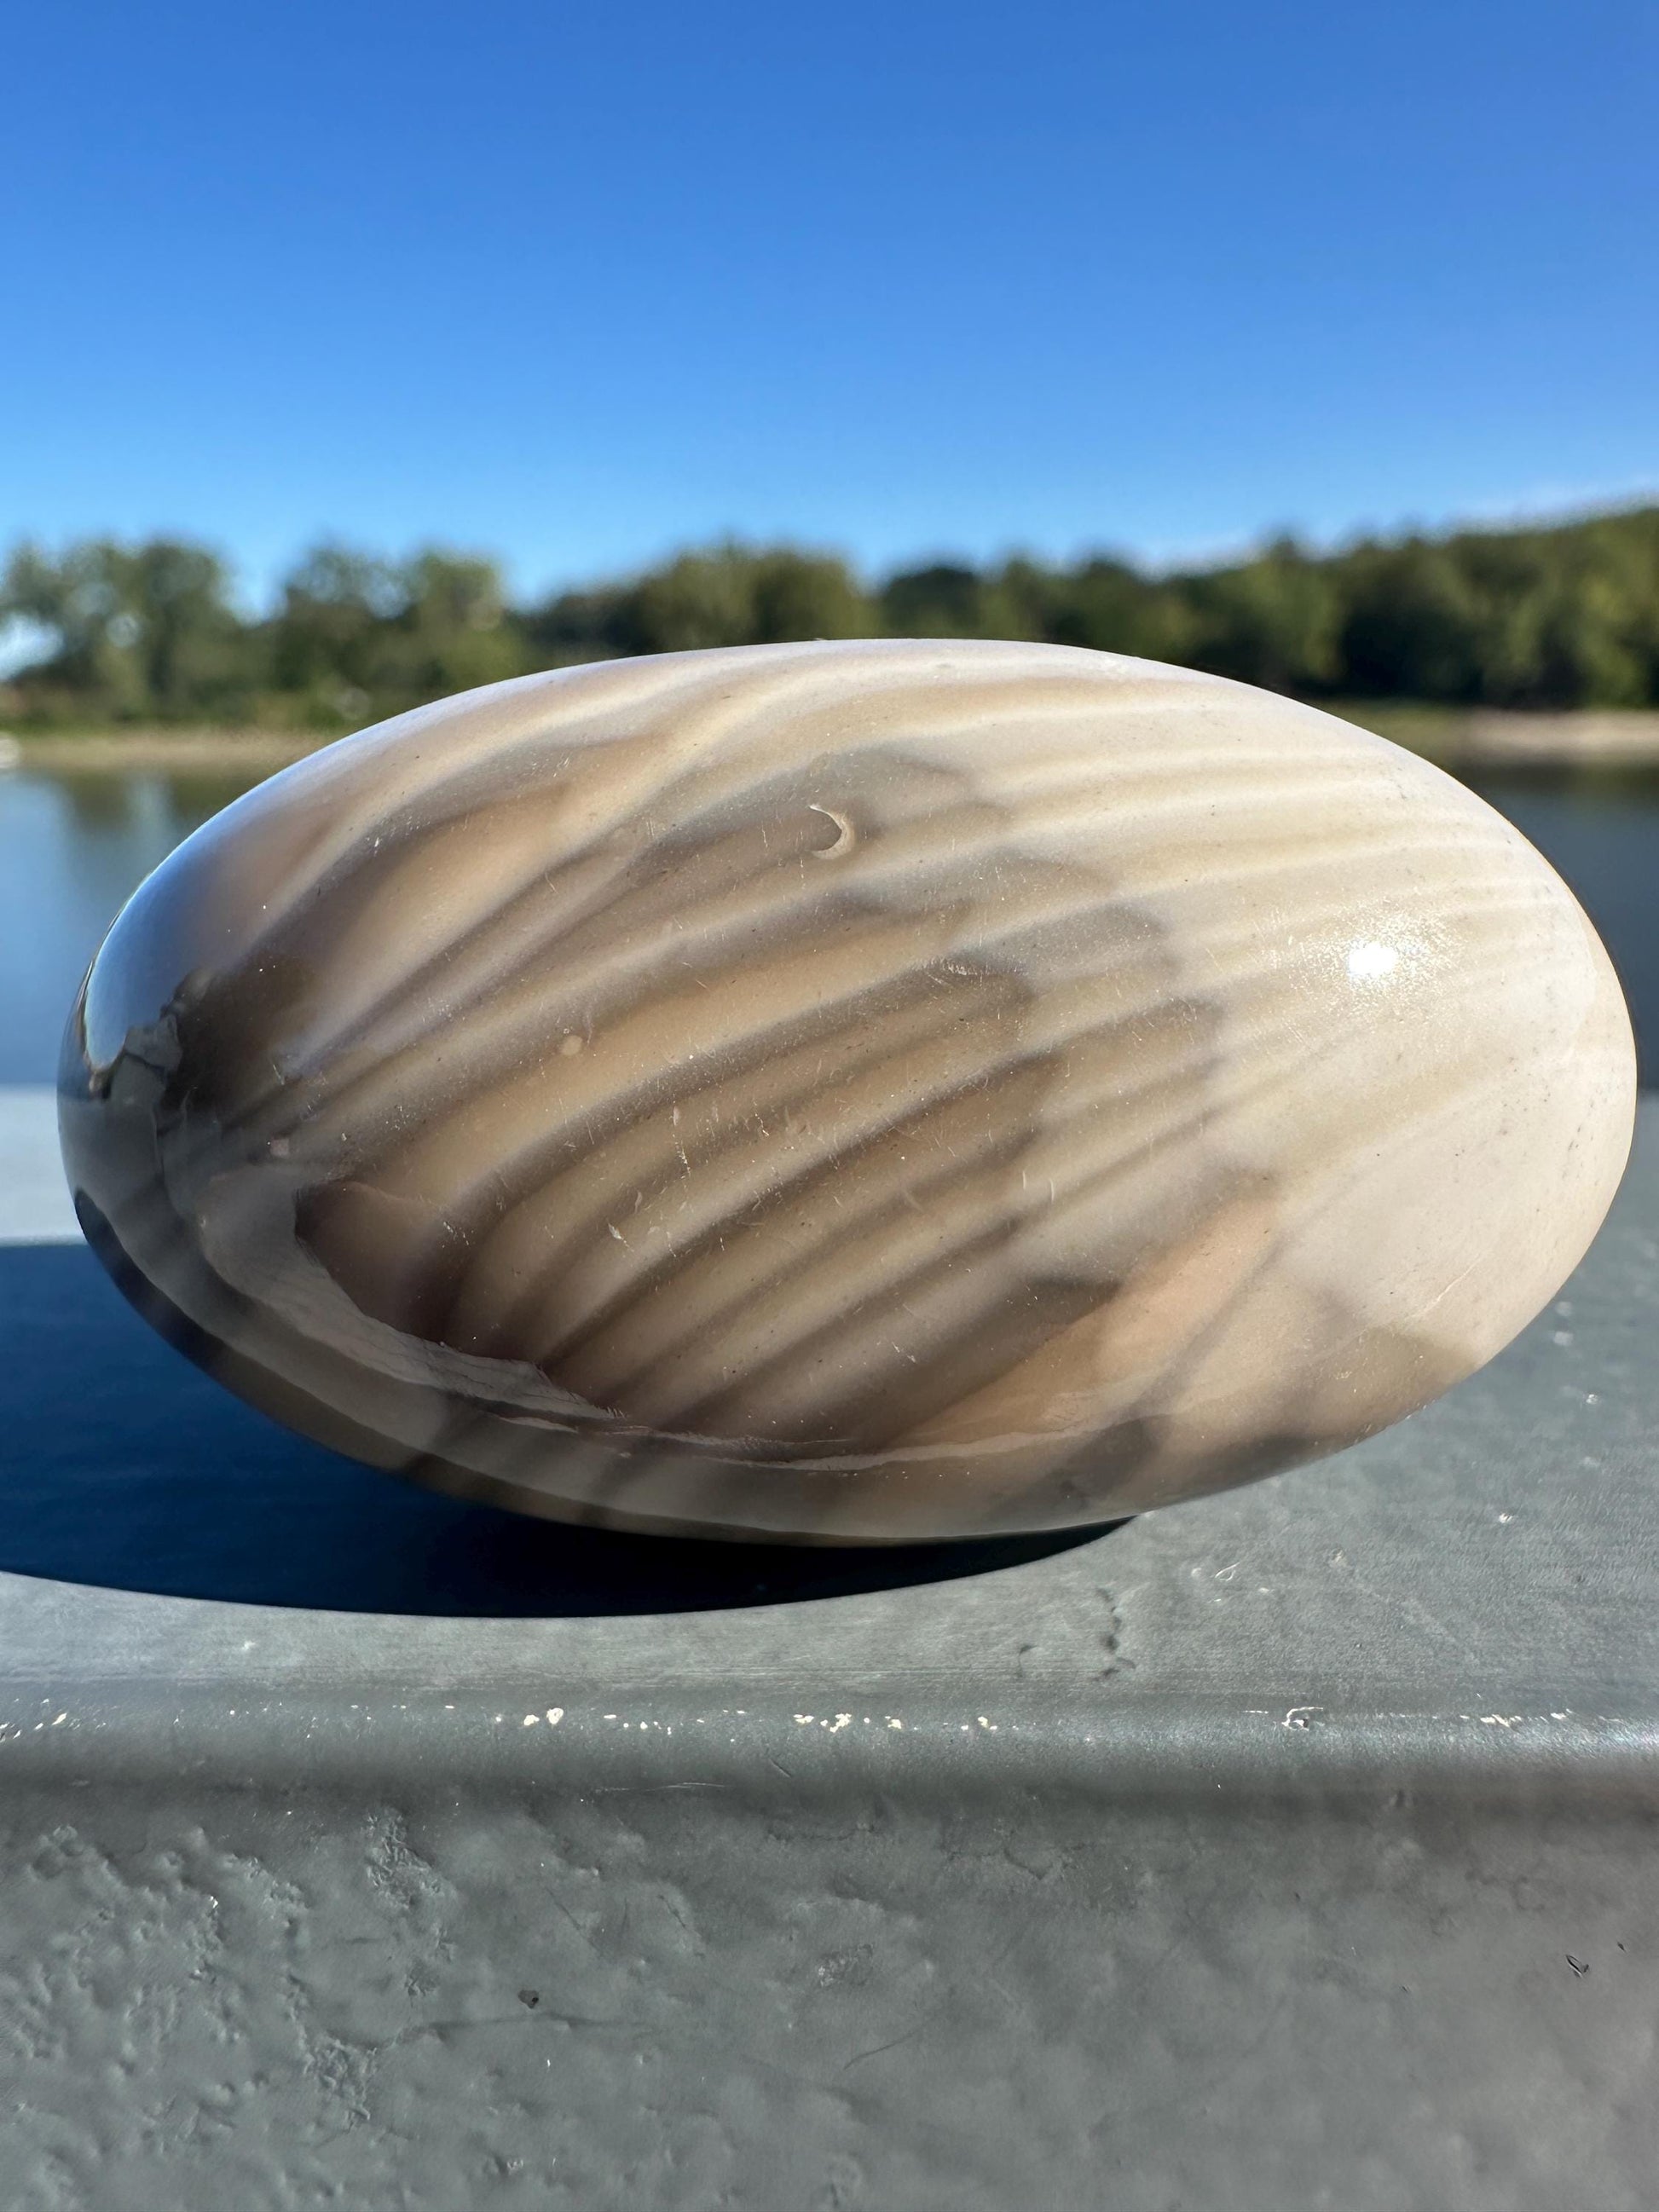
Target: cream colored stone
<point x="849" y="1092"/>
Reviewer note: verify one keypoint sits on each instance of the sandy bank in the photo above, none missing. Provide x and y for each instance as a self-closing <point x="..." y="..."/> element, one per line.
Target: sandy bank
<point x="1482" y="739"/>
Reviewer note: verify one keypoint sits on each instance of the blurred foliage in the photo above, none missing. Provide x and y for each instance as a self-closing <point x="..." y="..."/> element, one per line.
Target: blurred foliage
<point x="1557" y="617"/>
<point x="145" y="630"/>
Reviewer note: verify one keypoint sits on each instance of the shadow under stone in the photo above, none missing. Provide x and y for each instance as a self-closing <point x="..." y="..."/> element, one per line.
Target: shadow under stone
<point x="122" y="1466"/>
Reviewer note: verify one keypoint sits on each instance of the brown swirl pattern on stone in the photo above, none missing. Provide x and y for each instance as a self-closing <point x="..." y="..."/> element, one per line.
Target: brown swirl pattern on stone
<point x="848" y="1092"/>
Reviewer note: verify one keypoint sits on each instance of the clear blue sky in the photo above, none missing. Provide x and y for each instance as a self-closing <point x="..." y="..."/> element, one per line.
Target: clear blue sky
<point x="580" y="284"/>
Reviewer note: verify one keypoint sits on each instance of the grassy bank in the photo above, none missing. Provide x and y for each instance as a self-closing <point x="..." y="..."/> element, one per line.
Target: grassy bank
<point x="115" y="752"/>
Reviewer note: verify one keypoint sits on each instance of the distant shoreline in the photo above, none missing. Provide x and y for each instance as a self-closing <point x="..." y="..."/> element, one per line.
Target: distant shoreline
<point x="1475" y="738"/>
<point x="1486" y="737"/>
<point x="111" y="752"/>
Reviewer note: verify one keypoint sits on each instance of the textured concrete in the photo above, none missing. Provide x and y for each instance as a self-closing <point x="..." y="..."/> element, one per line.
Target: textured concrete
<point x="1294" y="1848"/>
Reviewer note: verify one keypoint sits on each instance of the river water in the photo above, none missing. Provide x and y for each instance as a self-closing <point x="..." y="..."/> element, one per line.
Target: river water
<point x="73" y="847"/>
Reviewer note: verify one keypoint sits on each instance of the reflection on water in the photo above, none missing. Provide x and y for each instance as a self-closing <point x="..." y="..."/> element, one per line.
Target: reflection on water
<point x="73" y="847"/>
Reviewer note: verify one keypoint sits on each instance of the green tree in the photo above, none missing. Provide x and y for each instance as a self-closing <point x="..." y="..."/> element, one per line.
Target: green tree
<point x="1560" y="615"/>
<point x="943" y="600"/>
<point x="335" y="604"/>
<point x="134" y="632"/>
<point x="357" y="636"/>
<point x="732" y="594"/>
<point x="1275" y="621"/>
<point x="451" y="632"/>
<point x="806" y="595"/>
<point x="1410" y="625"/>
<point x="1110" y="606"/>
<point x="699" y="599"/>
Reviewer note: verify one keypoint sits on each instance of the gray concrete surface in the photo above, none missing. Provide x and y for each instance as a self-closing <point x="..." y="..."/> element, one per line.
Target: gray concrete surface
<point x="1294" y="1848"/>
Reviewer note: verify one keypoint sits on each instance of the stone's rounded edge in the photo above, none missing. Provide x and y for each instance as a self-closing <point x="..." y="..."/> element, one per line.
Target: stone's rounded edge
<point x="243" y="968"/>
<point x="1609" y="1035"/>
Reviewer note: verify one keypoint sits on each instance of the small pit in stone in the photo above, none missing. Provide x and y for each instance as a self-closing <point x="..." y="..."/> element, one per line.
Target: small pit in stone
<point x="839" y="836"/>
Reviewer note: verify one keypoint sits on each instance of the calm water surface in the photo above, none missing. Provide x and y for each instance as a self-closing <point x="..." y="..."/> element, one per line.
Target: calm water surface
<point x="72" y="848"/>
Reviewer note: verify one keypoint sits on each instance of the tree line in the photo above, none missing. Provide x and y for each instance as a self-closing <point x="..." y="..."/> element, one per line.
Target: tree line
<point x="1557" y="615"/>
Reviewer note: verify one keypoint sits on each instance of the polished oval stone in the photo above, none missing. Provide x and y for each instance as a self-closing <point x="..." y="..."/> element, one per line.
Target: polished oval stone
<point x="848" y="1092"/>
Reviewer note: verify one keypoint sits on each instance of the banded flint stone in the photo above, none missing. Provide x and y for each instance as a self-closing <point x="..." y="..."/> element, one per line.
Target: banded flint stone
<point x="848" y="1092"/>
